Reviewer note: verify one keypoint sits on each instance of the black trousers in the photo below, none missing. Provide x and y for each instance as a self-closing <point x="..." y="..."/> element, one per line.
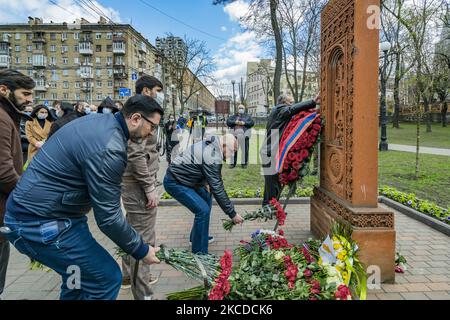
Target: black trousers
<point x="272" y="188"/>
<point x="243" y="144"/>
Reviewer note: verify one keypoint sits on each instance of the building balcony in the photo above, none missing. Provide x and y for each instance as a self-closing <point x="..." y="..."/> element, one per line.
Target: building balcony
<point x="86" y="48"/>
<point x="39" y="61"/>
<point x="120" y="74"/>
<point x="119" y="38"/>
<point x="87" y="64"/>
<point x="39" y="39"/>
<point x="5" y="61"/>
<point x="5" y="38"/>
<point x="119" y="63"/>
<point x="40" y="87"/>
<point x="87" y="75"/>
<point x="87" y="86"/>
<point x="119" y="50"/>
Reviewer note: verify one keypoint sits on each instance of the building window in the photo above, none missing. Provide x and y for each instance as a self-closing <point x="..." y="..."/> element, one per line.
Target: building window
<point x="109" y="36"/>
<point x="30" y="60"/>
<point x="98" y="72"/>
<point x="17" y="48"/>
<point x="29" y="36"/>
<point x="109" y="60"/>
<point x="109" y="48"/>
<point x="18" y="36"/>
<point x="110" y="84"/>
<point x="54" y="75"/>
<point x="78" y="84"/>
<point x="98" y="36"/>
<point x="99" y="96"/>
<point x="64" y="49"/>
<point x="77" y="96"/>
<point x="76" y="36"/>
<point x="54" y="96"/>
<point x="66" y="96"/>
<point x="30" y="73"/>
<point x="98" y="48"/>
<point x="76" y="60"/>
<point x="53" y="48"/>
<point x="29" y="48"/>
<point x="64" y="36"/>
<point x="65" y="72"/>
<point x="53" y="60"/>
<point x="66" y="84"/>
<point x="99" y="84"/>
<point x="52" y="36"/>
<point x="65" y="60"/>
<point x="53" y="85"/>
<point x="76" y="48"/>
<point x="17" y="60"/>
<point x="110" y="72"/>
<point x="98" y="60"/>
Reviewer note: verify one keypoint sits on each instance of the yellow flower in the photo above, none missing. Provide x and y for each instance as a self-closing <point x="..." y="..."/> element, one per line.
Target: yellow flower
<point x="341" y="255"/>
<point x="337" y="246"/>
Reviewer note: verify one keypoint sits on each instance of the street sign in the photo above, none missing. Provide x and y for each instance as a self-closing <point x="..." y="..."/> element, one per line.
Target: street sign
<point x="46" y="103"/>
<point x="124" y="92"/>
<point x="134" y="76"/>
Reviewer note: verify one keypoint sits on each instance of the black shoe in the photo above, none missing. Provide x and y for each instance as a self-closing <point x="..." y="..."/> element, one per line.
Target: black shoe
<point x="232" y="166"/>
<point x="244" y="166"/>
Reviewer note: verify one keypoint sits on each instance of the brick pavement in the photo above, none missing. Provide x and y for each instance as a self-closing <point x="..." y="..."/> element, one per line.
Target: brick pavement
<point x="427" y="252"/>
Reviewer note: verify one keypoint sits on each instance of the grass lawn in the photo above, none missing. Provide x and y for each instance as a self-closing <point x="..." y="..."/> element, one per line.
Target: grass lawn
<point x="438" y="138"/>
<point x="395" y="169"/>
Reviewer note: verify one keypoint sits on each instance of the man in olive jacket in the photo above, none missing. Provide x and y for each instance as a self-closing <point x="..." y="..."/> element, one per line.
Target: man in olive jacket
<point x="16" y="92"/>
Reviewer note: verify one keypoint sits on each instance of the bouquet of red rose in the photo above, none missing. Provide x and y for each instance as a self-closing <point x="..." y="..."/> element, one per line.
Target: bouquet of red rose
<point x="297" y="145"/>
<point x="268" y="212"/>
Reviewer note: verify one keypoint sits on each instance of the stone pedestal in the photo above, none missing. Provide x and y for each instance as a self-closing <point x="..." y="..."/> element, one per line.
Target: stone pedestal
<point x="349" y="150"/>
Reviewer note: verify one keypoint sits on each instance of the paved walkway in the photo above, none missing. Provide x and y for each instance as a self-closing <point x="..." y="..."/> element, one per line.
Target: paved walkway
<point x="426" y="250"/>
<point x="405" y="148"/>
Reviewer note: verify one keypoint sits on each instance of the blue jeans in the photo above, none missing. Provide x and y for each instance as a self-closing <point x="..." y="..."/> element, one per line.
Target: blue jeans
<point x="66" y="245"/>
<point x="199" y="202"/>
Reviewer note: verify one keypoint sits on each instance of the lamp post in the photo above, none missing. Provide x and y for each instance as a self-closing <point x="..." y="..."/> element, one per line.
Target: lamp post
<point x="198" y="93"/>
<point x="233" y="82"/>
<point x="383" y="146"/>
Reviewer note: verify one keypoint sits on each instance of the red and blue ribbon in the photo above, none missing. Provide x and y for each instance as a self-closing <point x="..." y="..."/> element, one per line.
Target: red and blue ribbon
<point x="290" y="138"/>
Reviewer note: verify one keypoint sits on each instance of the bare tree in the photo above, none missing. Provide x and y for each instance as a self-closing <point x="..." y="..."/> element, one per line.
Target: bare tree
<point x="416" y="20"/>
<point x="197" y="65"/>
<point x="269" y="8"/>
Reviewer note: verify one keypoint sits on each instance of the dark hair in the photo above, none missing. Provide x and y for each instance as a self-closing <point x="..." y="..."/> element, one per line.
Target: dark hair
<point x="66" y="107"/>
<point x="147" y="81"/>
<point x="119" y="102"/>
<point x="56" y="102"/>
<point x="107" y="103"/>
<point x="141" y="104"/>
<point x="39" y="107"/>
<point x="15" y="80"/>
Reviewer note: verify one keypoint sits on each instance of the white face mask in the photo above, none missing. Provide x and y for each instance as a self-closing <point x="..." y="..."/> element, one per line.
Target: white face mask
<point x="107" y="110"/>
<point x="42" y="116"/>
<point x="59" y="114"/>
<point x="160" y="98"/>
<point x="87" y="110"/>
<point x="241" y="111"/>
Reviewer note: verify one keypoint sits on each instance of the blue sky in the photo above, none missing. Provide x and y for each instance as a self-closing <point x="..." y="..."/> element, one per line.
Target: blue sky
<point x="230" y="46"/>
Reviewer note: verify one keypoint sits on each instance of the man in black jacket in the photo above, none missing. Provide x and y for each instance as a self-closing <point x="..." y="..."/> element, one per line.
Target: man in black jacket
<point x="241" y="125"/>
<point x="193" y="176"/>
<point x="280" y="116"/>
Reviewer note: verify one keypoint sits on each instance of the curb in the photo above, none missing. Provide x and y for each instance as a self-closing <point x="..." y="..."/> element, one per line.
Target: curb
<point x="237" y="201"/>
<point x="416" y="215"/>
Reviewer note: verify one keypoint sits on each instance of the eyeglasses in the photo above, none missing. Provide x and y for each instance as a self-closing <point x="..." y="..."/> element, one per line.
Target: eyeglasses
<point x="154" y="125"/>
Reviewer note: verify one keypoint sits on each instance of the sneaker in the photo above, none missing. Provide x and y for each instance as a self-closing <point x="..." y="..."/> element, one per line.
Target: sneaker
<point x="210" y="239"/>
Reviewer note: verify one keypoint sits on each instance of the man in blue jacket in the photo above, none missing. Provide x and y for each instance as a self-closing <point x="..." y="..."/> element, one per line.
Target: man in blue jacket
<point x="79" y="168"/>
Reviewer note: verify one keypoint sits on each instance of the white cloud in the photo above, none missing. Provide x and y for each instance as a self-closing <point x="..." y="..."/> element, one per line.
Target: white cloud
<point x="236" y="9"/>
<point x="223" y="28"/>
<point x="232" y="58"/>
<point x="67" y="11"/>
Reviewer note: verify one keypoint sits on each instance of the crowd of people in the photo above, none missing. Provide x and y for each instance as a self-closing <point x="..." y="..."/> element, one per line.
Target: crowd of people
<point x="80" y="161"/>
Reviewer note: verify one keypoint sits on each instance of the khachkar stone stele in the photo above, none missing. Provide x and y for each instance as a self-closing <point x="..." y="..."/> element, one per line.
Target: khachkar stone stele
<point x="349" y="154"/>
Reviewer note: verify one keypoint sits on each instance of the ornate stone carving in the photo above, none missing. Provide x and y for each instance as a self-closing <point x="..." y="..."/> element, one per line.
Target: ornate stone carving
<point x="356" y="219"/>
<point x="337" y="96"/>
